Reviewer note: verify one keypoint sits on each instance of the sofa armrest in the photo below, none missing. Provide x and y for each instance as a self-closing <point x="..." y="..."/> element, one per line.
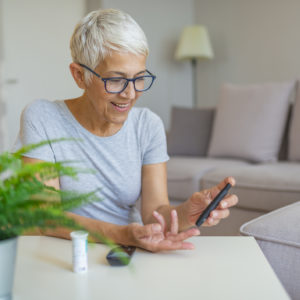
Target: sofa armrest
<point x="278" y="235"/>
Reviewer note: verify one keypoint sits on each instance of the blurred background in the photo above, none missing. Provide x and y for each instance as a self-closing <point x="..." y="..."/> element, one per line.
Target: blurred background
<point x="253" y="42"/>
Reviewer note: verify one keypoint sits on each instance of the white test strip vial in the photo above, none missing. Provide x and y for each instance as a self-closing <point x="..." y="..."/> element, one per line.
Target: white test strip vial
<point x="79" y="251"/>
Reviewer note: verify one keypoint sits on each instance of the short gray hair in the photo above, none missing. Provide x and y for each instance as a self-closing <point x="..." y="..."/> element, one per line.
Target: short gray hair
<point x="103" y="31"/>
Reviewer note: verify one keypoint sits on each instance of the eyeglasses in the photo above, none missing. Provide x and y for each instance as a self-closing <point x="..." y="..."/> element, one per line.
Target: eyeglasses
<point x="116" y="85"/>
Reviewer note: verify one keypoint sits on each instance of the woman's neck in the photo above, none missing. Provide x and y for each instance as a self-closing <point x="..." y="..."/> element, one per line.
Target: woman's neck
<point x="87" y="116"/>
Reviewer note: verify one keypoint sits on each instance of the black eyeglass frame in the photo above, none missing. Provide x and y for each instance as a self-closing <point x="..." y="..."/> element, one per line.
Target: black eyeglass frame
<point x="127" y="80"/>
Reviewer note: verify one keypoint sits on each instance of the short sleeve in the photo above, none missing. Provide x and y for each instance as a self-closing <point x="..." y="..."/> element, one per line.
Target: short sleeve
<point x="155" y="143"/>
<point x="32" y="131"/>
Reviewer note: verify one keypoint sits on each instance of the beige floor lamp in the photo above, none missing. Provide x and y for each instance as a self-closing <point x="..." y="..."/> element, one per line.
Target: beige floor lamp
<point x="193" y="44"/>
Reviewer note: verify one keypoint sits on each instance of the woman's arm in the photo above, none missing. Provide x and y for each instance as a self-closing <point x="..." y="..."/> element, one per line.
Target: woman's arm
<point x="52" y="182"/>
<point x="154" y="191"/>
<point x="150" y="237"/>
<point x="155" y="197"/>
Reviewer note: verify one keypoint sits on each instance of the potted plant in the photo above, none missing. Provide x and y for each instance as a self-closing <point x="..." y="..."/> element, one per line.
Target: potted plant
<point x="26" y="203"/>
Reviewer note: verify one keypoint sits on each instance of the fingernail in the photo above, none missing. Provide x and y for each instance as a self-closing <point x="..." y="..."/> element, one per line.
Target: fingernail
<point x="155" y="213"/>
<point x="174" y="213"/>
<point x="224" y="204"/>
<point x="214" y="214"/>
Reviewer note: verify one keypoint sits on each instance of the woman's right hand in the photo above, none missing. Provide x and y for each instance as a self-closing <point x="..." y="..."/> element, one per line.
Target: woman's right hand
<point x="155" y="238"/>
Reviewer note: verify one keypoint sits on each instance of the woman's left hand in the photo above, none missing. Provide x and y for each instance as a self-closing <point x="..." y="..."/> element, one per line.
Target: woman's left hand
<point x="155" y="237"/>
<point x="197" y="203"/>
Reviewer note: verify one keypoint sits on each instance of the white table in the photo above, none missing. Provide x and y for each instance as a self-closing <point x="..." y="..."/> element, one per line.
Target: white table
<point x="219" y="268"/>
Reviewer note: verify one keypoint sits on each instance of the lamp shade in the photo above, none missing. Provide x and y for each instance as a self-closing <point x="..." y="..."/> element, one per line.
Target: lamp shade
<point x="194" y="43"/>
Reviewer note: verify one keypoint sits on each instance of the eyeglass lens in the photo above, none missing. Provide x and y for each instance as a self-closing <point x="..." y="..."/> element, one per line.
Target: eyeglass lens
<point x="116" y="85"/>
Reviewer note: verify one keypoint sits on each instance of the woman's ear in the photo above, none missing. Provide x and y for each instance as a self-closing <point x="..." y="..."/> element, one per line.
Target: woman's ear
<point x="78" y="75"/>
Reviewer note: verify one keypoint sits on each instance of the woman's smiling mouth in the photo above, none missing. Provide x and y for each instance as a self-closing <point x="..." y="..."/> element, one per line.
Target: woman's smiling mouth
<point x="121" y="106"/>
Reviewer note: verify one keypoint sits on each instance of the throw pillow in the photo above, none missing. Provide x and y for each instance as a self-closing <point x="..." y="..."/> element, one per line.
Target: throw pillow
<point x="294" y="134"/>
<point x="190" y="131"/>
<point x="250" y="121"/>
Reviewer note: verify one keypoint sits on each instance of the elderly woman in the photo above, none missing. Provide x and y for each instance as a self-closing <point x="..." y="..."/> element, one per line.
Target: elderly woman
<point x="125" y="145"/>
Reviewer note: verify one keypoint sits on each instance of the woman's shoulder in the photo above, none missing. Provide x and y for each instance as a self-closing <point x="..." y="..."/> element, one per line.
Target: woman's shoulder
<point x="39" y="107"/>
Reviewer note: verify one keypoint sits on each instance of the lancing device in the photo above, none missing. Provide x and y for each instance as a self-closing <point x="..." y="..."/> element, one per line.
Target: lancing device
<point x="120" y="256"/>
<point x="213" y="205"/>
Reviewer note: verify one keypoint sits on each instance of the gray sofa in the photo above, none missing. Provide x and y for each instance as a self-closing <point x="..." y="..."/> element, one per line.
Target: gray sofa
<point x="277" y="234"/>
<point x="261" y="150"/>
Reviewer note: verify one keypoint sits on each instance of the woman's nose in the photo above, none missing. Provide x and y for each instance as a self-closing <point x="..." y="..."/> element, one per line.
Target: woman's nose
<point x="129" y="91"/>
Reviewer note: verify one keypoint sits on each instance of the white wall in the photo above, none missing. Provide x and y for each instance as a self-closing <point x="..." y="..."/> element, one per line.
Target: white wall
<point x="162" y="22"/>
<point x="254" y="41"/>
<point x="1" y="81"/>
<point x="36" y="36"/>
<point x="1" y="30"/>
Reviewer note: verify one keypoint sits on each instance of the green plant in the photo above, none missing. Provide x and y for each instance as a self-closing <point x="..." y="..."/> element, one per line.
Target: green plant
<point x="27" y="203"/>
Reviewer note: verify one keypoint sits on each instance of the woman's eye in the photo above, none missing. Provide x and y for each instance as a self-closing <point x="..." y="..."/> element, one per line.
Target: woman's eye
<point x="116" y="80"/>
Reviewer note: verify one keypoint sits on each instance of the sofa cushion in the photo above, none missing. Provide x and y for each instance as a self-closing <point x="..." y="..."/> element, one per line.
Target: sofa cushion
<point x="250" y="121"/>
<point x="262" y="187"/>
<point x="190" y="131"/>
<point x="185" y="172"/>
<point x="278" y="235"/>
<point x="294" y="134"/>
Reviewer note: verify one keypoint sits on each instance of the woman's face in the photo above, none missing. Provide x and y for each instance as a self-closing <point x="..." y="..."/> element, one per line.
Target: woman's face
<point x="114" y="108"/>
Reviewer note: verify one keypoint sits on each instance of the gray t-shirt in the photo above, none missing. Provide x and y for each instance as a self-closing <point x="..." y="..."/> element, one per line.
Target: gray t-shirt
<point x="117" y="159"/>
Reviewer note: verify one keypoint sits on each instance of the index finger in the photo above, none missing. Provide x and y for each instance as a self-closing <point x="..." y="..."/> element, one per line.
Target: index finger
<point x="160" y="219"/>
<point x="217" y="188"/>
<point x="174" y="222"/>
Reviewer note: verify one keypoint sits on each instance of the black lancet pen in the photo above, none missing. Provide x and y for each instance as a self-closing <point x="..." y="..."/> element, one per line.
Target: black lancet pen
<point x="213" y="205"/>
